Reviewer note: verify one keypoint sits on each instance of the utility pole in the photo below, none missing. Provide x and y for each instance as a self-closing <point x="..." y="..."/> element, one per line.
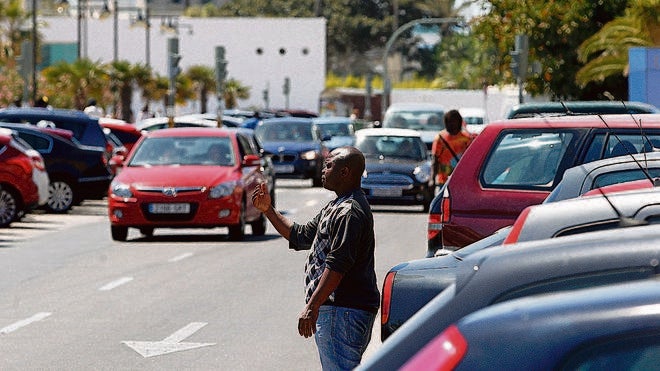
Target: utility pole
<point x="519" y="58"/>
<point x="220" y="76"/>
<point x="286" y="89"/>
<point x="173" y="70"/>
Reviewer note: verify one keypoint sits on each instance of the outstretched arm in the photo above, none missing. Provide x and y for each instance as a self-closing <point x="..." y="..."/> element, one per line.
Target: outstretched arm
<point x="262" y="201"/>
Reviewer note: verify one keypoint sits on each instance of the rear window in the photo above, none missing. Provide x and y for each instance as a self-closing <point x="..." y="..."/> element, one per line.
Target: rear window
<point x="526" y="159"/>
<point x="415" y="119"/>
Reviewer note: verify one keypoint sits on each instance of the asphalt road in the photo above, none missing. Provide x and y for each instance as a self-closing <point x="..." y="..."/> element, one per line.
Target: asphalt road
<point x="73" y="299"/>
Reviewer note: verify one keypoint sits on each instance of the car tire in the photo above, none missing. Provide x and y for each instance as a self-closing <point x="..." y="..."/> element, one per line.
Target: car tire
<point x="60" y="196"/>
<point x="237" y="232"/>
<point x="259" y="226"/>
<point x="147" y="231"/>
<point x="8" y="207"/>
<point x="119" y="233"/>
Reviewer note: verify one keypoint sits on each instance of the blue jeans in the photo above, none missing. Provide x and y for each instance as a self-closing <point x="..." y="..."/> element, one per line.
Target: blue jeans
<point x="342" y="335"/>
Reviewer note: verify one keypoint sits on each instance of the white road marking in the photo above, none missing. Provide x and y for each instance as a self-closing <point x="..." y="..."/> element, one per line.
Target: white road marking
<point x="170" y="344"/>
<point x="115" y="283"/>
<point x="311" y="203"/>
<point x="15" y="326"/>
<point x="180" y="257"/>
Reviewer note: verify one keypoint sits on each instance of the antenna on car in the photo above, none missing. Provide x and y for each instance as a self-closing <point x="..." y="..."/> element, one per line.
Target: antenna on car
<point x="568" y="111"/>
<point x="624" y="221"/>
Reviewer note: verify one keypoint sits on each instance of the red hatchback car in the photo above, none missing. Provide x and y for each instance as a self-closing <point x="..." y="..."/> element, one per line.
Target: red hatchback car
<point x="187" y="178"/>
<point x="516" y="163"/>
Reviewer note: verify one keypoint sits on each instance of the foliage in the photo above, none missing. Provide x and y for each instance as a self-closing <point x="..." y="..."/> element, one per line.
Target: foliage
<point x="234" y="91"/>
<point x="555" y="30"/>
<point x="606" y="52"/>
<point x="203" y="83"/>
<point x="69" y="85"/>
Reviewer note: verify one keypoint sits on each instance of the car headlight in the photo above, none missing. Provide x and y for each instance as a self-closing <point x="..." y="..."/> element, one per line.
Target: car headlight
<point x="121" y="190"/>
<point x="223" y="189"/>
<point x="309" y="155"/>
<point x="422" y="173"/>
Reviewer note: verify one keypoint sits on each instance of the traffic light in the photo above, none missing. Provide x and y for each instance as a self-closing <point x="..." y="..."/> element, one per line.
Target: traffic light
<point x="173" y="57"/>
<point x="287" y="86"/>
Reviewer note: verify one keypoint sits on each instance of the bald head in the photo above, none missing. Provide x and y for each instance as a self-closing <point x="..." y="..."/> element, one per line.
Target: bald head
<point x="348" y="162"/>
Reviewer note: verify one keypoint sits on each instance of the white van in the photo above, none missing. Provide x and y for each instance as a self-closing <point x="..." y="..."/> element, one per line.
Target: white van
<point x="427" y="118"/>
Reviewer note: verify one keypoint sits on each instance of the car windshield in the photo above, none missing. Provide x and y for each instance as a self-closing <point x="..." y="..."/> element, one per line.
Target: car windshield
<point x="409" y="148"/>
<point x="335" y="129"/>
<point x="285" y="132"/>
<point x="416" y="120"/>
<point x="216" y="151"/>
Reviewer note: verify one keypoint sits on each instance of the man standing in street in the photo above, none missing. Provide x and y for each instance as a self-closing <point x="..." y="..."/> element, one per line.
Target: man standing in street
<point x="341" y="292"/>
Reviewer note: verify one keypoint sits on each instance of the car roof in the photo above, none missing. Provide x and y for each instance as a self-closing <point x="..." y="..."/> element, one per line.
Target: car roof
<point x="581" y="121"/>
<point x="332" y="120"/>
<point x="56" y="132"/>
<point x="396" y="132"/>
<point x="284" y="120"/>
<point x="578" y="215"/>
<point x="45" y="112"/>
<point x="578" y="179"/>
<point x="594" y="314"/>
<point x="491" y="274"/>
<point x="191" y="132"/>
<point x="581" y="107"/>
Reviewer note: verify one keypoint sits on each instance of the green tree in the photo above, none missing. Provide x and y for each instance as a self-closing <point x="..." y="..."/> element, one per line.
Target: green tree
<point x="555" y="30"/>
<point x="234" y="91"/>
<point x="124" y="76"/>
<point x="203" y="82"/>
<point x="69" y="85"/>
<point x="606" y="52"/>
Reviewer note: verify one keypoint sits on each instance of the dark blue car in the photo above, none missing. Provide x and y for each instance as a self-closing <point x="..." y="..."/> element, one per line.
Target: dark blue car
<point x="296" y="147"/>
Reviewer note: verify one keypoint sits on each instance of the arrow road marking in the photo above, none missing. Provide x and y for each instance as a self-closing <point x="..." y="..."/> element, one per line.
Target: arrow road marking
<point x="170" y="344"/>
<point x="16" y="325"/>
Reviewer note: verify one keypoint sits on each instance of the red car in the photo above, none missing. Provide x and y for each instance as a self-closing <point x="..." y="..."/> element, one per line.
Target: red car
<point x="513" y="164"/>
<point x="18" y="166"/>
<point x="127" y="133"/>
<point x="187" y="178"/>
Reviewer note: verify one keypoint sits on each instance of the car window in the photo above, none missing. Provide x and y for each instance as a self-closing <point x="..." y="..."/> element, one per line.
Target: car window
<point x="184" y="151"/>
<point x="524" y="159"/>
<point x="623" y="176"/>
<point x="416" y="120"/>
<point x="579" y="281"/>
<point x="40" y="143"/>
<point x="605" y="145"/>
<point x="245" y="145"/>
<point x="392" y="147"/>
<point x="289" y="132"/>
<point x="638" y="351"/>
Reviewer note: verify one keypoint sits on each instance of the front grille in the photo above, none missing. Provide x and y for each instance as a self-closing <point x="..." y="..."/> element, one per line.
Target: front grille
<point x="386" y="180"/>
<point x="172" y="191"/>
<point x="284" y="157"/>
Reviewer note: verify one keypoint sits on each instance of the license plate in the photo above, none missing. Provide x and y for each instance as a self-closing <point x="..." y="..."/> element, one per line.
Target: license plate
<point x="283" y="168"/>
<point x="169" y="208"/>
<point x="386" y="192"/>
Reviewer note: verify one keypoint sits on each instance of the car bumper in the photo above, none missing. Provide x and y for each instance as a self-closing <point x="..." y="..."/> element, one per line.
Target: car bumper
<point x="199" y="213"/>
<point x="416" y="194"/>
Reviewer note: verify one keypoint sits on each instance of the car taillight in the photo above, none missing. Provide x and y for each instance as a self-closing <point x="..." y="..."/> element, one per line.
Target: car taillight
<point x="514" y="234"/>
<point x="444" y="352"/>
<point x="445" y="206"/>
<point x="435" y="226"/>
<point x="387" y="297"/>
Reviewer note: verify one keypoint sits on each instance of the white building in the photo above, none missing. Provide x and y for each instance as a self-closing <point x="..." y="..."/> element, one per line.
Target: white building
<point x="261" y="52"/>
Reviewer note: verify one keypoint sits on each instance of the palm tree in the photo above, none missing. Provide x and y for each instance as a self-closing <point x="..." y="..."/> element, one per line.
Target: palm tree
<point x="69" y="85"/>
<point x="606" y="52"/>
<point x="234" y="91"/>
<point x="203" y="81"/>
<point x="124" y="76"/>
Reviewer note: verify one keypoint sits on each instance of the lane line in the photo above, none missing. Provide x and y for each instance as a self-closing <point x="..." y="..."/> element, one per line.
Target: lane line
<point x="180" y="257"/>
<point x="115" y="283"/>
<point x="16" y="325"/>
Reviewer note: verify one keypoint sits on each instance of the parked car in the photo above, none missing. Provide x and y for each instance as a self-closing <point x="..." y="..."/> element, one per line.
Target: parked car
<point x="187" y="178"/>
<point x="427" y="118"/>
<point x="500" y="274"/>
<point x="296" y="146"/>
<point x="339" y="129"/>
<point x="19" y="193"/>
<point x="603" y="107"/>
<point x="227" y="121"/>
<point x="76" y="172"/>
<point x="411" y="285"/>
<point x="581" y="179"/>
<point x="127" y="133"/>
<point x="512" y="165"/>
<point x="475" y="119"/>
<point x="613" y="327"/>
<point x="634" y="185"/>
<point x="157" y="123"/>
<point x="398" y="167"/>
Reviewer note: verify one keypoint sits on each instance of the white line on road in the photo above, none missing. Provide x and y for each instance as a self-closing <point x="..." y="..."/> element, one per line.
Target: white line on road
<point x="115" y="283"/>
<point x="180" y="257"/>
<point x="15" y="326"/>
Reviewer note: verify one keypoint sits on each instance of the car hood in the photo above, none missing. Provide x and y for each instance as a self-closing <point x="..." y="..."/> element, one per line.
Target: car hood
<point x="175" y="176"/>
<point x="392" y="165"/>
<point x="277" y="147"/>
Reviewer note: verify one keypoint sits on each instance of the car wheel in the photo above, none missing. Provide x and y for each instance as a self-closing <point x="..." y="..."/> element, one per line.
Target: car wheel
<point x="259" y="226"/>
<point x="147" y="232"/>
<point x="8" y="208"/>
<point x="237" y="232"/>
<point x="60" y="196"/>
<point x="119" y="233"/>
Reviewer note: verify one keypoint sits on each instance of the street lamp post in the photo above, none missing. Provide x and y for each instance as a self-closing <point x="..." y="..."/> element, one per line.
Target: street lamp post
<point x="386" y="77"/>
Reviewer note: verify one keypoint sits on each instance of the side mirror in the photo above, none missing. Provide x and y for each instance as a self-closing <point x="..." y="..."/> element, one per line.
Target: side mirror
<point x="251" y="160"/>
